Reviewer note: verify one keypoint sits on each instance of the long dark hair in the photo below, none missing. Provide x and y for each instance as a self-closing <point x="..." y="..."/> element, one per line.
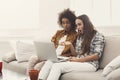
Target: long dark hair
<point x="88" y="33"/>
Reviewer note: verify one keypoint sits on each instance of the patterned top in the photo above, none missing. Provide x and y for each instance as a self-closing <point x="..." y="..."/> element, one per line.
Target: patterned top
<point x="96" y="46"/>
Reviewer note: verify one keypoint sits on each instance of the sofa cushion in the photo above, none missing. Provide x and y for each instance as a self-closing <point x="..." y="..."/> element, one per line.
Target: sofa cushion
<point x="115" y="75"/>
<point x="8" y="57"/>
<point x="17" y="67"/>
<point x="111" y="50"/>
<point x="83" y="76"/>
<point x="24" y="51"/>
<point x="114" y="64"/>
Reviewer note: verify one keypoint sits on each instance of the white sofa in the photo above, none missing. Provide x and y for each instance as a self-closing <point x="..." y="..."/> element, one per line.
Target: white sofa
<point x="111" y="50"/>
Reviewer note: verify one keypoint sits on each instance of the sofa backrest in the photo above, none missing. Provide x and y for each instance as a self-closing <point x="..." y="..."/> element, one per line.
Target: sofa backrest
<point x="111" y="50"/>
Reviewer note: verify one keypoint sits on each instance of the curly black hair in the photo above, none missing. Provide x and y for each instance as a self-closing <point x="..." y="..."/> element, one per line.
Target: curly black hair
<point x="67" y="13"/>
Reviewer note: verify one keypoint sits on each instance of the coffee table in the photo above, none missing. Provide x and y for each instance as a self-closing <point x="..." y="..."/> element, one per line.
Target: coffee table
<point x="11" y="75"/>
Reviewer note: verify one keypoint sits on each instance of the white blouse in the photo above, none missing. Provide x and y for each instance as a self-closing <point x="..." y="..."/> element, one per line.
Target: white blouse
<point x="61" y="48"/>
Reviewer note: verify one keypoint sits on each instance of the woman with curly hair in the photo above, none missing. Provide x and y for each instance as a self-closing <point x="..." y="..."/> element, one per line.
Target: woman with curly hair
<point x="66" y="20"/>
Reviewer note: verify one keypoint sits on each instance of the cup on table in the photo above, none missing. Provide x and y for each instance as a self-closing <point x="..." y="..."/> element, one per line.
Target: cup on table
<point x="33" y="74"/>
<point x="0" y="67"/>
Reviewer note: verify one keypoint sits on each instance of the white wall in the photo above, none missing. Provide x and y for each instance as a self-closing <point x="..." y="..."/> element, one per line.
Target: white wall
<point x="100" y="15"/>
<point x="28" y="19"/>
<point x="49" y="10"/>
<point x="19" y="14"/>
<point x="106" y="18"/>
<point x="109" y="30"/>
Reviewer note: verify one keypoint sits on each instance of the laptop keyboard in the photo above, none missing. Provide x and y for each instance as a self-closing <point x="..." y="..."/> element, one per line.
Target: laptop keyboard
<point x="62" y="58"/>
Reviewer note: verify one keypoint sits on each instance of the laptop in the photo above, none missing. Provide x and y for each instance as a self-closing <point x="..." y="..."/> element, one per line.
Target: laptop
<point x="46" y="51"/>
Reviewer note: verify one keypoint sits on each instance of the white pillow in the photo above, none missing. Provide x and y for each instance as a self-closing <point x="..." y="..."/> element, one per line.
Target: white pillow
<point x="114" y="64"/>
<point x="14" y="42"/>
<point x="8" y="57"/>
<point x="24" y="51"/>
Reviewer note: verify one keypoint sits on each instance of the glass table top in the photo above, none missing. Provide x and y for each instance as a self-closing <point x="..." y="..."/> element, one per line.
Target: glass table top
<point x="10" y="75"/>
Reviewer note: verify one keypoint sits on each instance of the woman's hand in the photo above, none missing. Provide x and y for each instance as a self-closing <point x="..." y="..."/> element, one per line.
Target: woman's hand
<point x="62" y="43"/>
<point x="65" y="43"/>
<point x="68" y="43"/>
<point x="73" y="59"/>
<point x="70" y="46"/>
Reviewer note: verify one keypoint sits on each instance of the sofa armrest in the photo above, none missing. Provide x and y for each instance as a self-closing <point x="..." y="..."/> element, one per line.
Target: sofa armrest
<point x="114" y="75"/>
<point x="8" y="57"/>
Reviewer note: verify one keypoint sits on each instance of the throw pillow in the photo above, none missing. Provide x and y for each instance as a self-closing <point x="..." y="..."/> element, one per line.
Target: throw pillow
<point x="24" y="51"/>
<point x="13" y="45"/>
<point x="114" y="64"/>
<point x="8" y="57"/>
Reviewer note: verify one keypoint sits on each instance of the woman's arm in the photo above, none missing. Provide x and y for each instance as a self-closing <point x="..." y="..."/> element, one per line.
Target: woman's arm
<point x="88" y="58"/>
<point x="72" y="49"/>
